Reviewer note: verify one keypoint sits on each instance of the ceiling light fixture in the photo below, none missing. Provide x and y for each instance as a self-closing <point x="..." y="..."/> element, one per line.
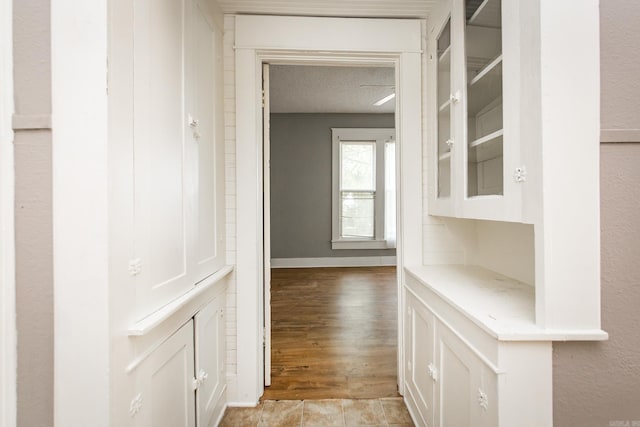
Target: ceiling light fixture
<point x="385" y="99"/>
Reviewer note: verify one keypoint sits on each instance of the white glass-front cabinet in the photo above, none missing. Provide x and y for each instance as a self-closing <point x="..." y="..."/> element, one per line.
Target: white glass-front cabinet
<point x="475" y="154"/>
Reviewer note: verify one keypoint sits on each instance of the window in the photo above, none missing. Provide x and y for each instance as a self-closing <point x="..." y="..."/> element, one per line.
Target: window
<point x="363" y="167"/>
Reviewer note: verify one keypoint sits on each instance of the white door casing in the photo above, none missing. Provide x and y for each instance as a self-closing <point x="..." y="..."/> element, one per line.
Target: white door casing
<point x="277" y="39"/>
<point x="8" y="356"/>
<point x="266" y="209"/>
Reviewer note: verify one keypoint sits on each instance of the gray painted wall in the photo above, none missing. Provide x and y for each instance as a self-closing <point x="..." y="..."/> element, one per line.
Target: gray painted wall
<point x="301" y="183"/>
<point x="34" y="241"/>
<point x="598" y="383"/>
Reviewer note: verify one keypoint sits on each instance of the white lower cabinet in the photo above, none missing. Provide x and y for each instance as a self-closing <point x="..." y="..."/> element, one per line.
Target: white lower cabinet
<point x="457" y="375"/>
<point x="165" y="379"/>
<point x="467" y="387"/>
<point x="181" y="382"/>
<point x="210" y="350"/>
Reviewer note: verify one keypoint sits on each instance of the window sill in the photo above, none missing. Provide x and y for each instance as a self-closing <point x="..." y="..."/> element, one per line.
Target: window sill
<point x="359" y="244"/>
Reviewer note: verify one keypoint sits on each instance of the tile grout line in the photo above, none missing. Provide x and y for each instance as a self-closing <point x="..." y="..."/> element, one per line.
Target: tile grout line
<point x="261" y="413"/>
<point x="302" y="415"/>
<point x="384" y="414"/>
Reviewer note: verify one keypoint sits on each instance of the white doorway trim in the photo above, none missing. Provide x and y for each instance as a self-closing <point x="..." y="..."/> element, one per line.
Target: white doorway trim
<point x="8" y="355"/>
<point x="319" y="41"/>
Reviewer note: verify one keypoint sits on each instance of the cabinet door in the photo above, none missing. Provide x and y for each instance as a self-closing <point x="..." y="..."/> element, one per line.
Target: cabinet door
<point x="163" y="237"/>
<point x="475" y="110"/>
<point x="210" y="350"/>
<point x="456" y="366"/>
<point x="441" y="182"/>
<point x="467" y="393"/>
<point x="490" y="144"/>
<point x="421" y="371"/>
<point x="165" y="379"/>
<point x="178" y="150"/>
<point x="205" y="100"/>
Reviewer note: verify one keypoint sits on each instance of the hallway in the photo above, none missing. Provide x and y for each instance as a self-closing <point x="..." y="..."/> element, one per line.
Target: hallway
<point x="334" y="333"/>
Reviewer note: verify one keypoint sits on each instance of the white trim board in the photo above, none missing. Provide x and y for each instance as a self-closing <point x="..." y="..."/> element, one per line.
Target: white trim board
<point x="367" y="261"/>
<point x="80" y="213"/>
<point x="8" y="355"/>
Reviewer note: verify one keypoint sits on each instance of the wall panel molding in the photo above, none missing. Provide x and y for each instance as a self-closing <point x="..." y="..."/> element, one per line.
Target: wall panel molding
<point x="615" y="136"/>
<point x="31" y="121"/>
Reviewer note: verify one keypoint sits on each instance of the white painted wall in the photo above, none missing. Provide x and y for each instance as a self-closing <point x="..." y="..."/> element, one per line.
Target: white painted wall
<point x="230" y="200"/>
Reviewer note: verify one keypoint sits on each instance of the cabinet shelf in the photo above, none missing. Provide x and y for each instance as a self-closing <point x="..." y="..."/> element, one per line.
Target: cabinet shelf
<point x="444" y="107"/>
<point x="486" y="139"/>
<point x="151" y="322"/>
<point x="444" y="60"/>
<point x="486" y="148"/>
<point x="485" y="87"/>
<point x="445" y="156"/>
<point x="501" y="306"/>
<point x="488" y="14"/>
<point x="492" y="70"/>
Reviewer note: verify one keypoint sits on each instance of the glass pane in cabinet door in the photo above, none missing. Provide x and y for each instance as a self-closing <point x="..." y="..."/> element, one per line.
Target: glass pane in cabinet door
<point x="483" y="45"/>
<point x="444" y="111"/>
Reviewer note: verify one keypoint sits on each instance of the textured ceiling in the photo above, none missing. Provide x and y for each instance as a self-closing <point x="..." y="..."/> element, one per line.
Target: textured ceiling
<point x="347" y="8"/>
<point x="324" y="89"/>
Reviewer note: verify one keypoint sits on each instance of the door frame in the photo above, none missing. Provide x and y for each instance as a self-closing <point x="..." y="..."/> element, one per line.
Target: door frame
<point x="8" y="349"/>
<point x="302" y="40"/>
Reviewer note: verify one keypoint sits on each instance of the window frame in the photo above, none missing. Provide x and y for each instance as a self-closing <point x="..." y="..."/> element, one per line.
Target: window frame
<point x="381" y="136"/>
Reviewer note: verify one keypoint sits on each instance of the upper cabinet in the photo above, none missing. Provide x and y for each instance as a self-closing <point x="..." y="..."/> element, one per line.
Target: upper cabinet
<point x="178" y="151"/>
<point x="474" y="149"/>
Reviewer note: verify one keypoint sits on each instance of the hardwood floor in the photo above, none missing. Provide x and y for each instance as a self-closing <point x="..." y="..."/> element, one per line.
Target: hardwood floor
<point x="334" y="333"/>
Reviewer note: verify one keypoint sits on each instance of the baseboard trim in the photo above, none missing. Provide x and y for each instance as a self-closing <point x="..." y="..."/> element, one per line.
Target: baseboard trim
<point x="367" y="261"/>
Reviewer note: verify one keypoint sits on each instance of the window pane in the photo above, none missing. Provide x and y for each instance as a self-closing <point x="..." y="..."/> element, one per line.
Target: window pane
<point x="357" y="166"/>
<point x="357" y="214"/>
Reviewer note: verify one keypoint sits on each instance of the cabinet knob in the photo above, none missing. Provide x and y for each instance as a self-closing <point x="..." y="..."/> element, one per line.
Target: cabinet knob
<point x="202" y="376"/>
<point x="433" y="372"/>
<point x="193" y="122"/>
<point x="483" y="399"/>
<point x="449" y="142"/>
<point x="455" y="97"/>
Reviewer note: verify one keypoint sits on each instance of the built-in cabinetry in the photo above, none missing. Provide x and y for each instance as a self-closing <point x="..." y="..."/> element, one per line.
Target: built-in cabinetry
<point x="462" y="369"/>
<point x="511" y="232"/>
<point x="168" y="277"/>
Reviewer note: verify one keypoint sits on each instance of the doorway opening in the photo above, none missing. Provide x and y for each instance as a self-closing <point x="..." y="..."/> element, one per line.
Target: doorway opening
<point x="331" y="286"/>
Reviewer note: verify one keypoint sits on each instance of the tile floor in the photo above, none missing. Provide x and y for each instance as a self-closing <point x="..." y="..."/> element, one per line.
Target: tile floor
<point x="321" y="413"/>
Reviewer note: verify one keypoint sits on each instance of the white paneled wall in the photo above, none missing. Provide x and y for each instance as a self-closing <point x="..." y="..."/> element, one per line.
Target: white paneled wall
<point x="230" y="195"/>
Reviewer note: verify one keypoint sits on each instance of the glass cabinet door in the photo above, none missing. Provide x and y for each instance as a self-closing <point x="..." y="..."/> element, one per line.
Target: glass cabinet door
<point x="483" y="55"/>
<point x="445" y="141"/>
